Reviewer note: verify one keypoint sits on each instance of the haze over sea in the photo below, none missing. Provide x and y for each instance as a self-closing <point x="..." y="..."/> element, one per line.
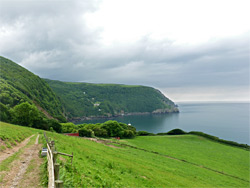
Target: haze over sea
<point x="229" y="121"/>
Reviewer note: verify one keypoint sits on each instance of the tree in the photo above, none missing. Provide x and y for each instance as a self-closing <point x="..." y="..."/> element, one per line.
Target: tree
<point x="113" y="128"/>
<point x="55" y="125"/>
<point x="25" y="114"/>
<point x="128" y="134"/>
<point x="68" y="128"/>
<point x="4" y="113"/>
<point x="86" y="132"/>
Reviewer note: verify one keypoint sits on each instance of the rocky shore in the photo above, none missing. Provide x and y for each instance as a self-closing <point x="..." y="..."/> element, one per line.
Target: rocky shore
<point x="109" y="116"/>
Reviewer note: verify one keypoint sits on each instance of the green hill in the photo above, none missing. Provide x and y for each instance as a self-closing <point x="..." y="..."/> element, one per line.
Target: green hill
<point x="145" y="161"/>
<point x="18" y="85"/>
<point x="56" y="99"/>
<point x="85" y="99"/>
<point x="152" y="161"/>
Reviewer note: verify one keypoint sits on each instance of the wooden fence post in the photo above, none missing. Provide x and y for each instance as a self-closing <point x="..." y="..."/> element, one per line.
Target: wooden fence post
<point x="55" y="154"/>
<point x="59" y="183"/>
<point x="56" y="170"/>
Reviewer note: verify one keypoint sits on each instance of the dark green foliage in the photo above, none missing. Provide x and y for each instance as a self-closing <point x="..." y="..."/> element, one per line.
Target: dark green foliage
<point x="4" y="113"/>
<point x="84" y="99"/>
<point x="128" y="134"/>
<point x="109" y="129"/>
<point x="113" y="128"/>
<point x="25" y="114"/>
<point x="85" y="132"/>
<point x="18" y="85"/>
<point x="144" y="133"/>
<point x="100" y="132"/>
<point x="232" y="143"/>
<point x="68" y="128"/>
<point x="176" y="132"/>
<point x="52" y="123"/>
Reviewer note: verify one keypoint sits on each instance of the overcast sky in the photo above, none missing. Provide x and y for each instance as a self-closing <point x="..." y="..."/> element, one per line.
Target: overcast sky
<point x="189" y="49"/>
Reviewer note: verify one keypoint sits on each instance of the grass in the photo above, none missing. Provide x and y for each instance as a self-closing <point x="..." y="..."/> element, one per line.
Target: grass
<point x="13" y="134"/>
<point x="198" y="150"/>
<point x="97" y="165"/>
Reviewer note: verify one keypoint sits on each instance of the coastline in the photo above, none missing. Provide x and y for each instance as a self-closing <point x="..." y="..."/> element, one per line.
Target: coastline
<point x="110" y="116"/>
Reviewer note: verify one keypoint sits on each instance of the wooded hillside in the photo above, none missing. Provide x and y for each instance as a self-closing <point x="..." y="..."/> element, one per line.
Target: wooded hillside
<point x="18" y="85"/>
<point x="85" y="99"/>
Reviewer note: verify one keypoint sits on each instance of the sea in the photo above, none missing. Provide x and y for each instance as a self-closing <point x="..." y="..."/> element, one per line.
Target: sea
<point x="229" y="121"/>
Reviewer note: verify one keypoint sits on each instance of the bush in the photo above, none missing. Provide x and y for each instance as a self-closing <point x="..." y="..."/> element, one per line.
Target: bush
<point x="113" y="128"/>
<point x="68" y="128"/>
<point x="128" y="134"/>
<point x="160" y="134"/>
<point x="110" y="129"/>
<point x="55" y="125"/>
<point x="144" y="133"/>
<point x="176" y="132"/>
<point x="231" y="143"/>
<point x="86" y="132"/>
<point x="4" y="113"/>
<point x="100" y="132"/>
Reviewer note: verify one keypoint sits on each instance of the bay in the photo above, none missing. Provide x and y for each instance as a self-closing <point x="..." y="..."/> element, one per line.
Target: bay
<point x="229" y="121"/>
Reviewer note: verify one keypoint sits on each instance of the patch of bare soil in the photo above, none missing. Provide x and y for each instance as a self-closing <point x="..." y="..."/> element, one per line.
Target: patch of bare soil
<point x="105" y="142"/>
<point x="10" y="151"/>
<point x="17" y="176"/>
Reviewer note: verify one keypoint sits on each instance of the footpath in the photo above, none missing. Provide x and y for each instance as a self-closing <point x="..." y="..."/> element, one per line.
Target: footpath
<point x="24" y="169"/>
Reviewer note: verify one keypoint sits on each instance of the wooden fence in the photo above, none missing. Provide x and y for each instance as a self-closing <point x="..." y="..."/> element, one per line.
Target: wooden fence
<point x="53" y="167"/>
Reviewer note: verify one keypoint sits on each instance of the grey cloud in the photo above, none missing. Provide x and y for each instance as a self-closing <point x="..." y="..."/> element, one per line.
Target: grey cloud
<point x="51" y="39"/>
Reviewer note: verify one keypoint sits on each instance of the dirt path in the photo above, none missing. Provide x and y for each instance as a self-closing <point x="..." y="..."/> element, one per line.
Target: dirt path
<point x="25" y="171"/>
<point x="105" y="142"/>
<point x="10" y="151"/>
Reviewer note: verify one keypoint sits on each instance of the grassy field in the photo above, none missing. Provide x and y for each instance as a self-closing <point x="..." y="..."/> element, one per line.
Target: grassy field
<point x="98" y="165"/>
<point x="143" y="161"/>
<point x="12" y="134"/>
<point x="199" y="150"/>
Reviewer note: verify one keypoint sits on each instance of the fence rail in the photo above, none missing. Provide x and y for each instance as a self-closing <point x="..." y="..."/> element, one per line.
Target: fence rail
<point x="53" y="167"/>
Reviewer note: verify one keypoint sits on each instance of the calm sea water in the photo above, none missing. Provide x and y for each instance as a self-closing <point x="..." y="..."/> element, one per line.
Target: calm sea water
<point x="228" y="121"/>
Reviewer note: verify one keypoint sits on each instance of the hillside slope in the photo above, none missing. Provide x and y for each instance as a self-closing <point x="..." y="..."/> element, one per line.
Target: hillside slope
<point x="85" y="99"/>
<point x="18" y="85"/>
<point x="156" y="161"/>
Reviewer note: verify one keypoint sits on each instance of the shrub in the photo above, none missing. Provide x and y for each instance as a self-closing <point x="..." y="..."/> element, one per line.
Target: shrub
<point x="4" y="113"/>
<point x="232" y="143"/>
<point x="176" y="132"/>
<point x="162" y="134"/>
<point x="113" y="128"/>
<point x="144" y="133"/>
<point x="55" y="125"/>
<point x="68" y="128"/>
<point x="128" y="134"/>
<point x="100" y="132"/>
<point x="85" y="132"/>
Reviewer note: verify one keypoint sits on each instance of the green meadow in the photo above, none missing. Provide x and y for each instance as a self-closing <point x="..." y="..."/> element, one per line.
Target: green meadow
<point x="11" y="134"/>
<point x="198" y="150"/>
<point x="145" y="161"/>
<point x="99" y="165"/>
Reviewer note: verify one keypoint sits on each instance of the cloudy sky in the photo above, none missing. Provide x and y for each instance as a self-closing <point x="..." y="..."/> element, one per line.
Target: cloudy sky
<point x="191" y="50"/>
